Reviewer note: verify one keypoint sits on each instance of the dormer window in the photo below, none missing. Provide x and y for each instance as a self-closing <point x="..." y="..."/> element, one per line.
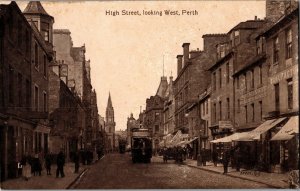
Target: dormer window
<point x="236" y="37"/>
<point x="221" y="50"/>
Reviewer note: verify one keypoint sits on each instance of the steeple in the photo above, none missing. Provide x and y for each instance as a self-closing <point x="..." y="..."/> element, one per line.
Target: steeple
<point x="109" y="103"/>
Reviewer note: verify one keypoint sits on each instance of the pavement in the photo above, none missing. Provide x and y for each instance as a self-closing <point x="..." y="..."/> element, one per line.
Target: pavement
<point x="47" y="181"/>
<point x="274" y="180"/>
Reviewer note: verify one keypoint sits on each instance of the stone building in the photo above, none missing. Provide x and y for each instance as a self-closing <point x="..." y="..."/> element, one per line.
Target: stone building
<point x="67" y="116"/>
<point x="169" y="108"/>
<point x="25" y="56"/>
<point x="110" y="125"/>
<point x="283" y="91"/>
<point x="231" y="55"/>
<point x="192" y="77"/>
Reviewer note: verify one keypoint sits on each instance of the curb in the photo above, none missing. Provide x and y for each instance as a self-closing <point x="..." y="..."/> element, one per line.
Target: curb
<point x="76" y="180"/>
<point x="234" y="176"/>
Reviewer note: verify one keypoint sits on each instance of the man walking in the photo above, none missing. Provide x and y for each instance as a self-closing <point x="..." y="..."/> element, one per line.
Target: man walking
<point x="48" y="163"/>
<point x="226" y="159"/>
<point x="60" y="161"/>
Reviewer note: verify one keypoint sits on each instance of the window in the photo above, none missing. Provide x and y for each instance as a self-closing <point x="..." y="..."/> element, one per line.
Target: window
<point x="258" y="50"/>
<point x="246" y="113"/>
<point x="214" y="81"/>
<point x="28" y="93"/>
<point x="36" y="56"/>
<point x="277" y="103"/>
<point x="11" y="85"/>
<point x="289" y="44"/>
<point x="156" y="128"/>
<point x="252" y="79"/>
<point x="276" y="51"/>
<point x="259" y="74"/>
<point x="220" y="77"/>
<point x="245" y="77"/>
<point x="45" y="65"/>
<point x="27" y="43"/>
<point x="260" y="110"/>
<point x="227" y="72"/>
<point x="156" y="116"/>
<point x="290" y="93"/>
<point x="36" y="98"/>
<point x="20" y="96"/>
<point x="206" y="102"/>
<point x="20" y="30"/>
<point x="45" y="31"/>
<point x="220" y="111"/>
<point x="228" y="108"/>
<point x="238" y="105"/>
<point x="215" y="112"/>
<point x="45" y="102"/>
<point x="238" y="82"/>
<point x="253" y="112"/>
<point x="236" y="37"/>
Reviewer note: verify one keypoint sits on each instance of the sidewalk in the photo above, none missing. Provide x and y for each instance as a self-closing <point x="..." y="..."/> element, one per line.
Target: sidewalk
<point x="274" y="180"/>
<point x="44" y="181"/>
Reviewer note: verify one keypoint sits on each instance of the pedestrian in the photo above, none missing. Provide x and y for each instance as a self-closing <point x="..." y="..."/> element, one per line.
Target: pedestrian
<point x="237" y="156"/>
<point x="26" y="168"/>
<point x="48" y="163"/>
<point x="184" y="152"/>
<point x="60" y="162"/>
<point x="215" y="158"/>
<point x="165" y="154"/>
<point x="226" y="159"/>
<point x="76" y="161"/>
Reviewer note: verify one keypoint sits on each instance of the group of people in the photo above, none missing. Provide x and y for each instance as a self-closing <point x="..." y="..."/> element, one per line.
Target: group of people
<point x="33" y="165"/>
<point x="178" y="153"/>
<point x="227" y="156"/>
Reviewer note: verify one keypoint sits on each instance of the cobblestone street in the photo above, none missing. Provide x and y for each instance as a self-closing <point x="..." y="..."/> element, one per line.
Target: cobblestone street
<point x="118" y="171"/>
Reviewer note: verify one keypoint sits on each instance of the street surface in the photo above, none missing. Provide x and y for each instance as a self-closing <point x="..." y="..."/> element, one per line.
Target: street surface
<point x="117" y="171"/>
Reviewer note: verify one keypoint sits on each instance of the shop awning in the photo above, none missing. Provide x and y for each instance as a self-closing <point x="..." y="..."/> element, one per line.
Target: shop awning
<point x="264" y="127"/>
<point x="229" y="138"/>
<point x="288" y="130"/>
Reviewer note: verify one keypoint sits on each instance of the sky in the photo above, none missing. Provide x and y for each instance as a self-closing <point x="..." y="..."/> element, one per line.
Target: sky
<point x="127" y="52"/>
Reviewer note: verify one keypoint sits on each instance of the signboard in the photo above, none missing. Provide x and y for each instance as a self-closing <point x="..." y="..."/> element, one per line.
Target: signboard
<point x="253" y="95"/>
<point x="286" y="74"/>
<point x="225" y="124"/>
<point x="140" y="134"/>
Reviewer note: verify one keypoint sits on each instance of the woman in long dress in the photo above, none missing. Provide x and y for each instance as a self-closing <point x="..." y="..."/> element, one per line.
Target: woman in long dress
<point x="26" y="172"/>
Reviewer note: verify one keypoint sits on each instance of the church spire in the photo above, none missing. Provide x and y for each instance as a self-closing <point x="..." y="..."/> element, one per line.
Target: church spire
<point x="109" y="103"/>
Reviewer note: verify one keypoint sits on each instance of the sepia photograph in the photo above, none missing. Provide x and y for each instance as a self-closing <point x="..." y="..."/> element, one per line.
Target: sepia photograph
<point x="149" y="94"/>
